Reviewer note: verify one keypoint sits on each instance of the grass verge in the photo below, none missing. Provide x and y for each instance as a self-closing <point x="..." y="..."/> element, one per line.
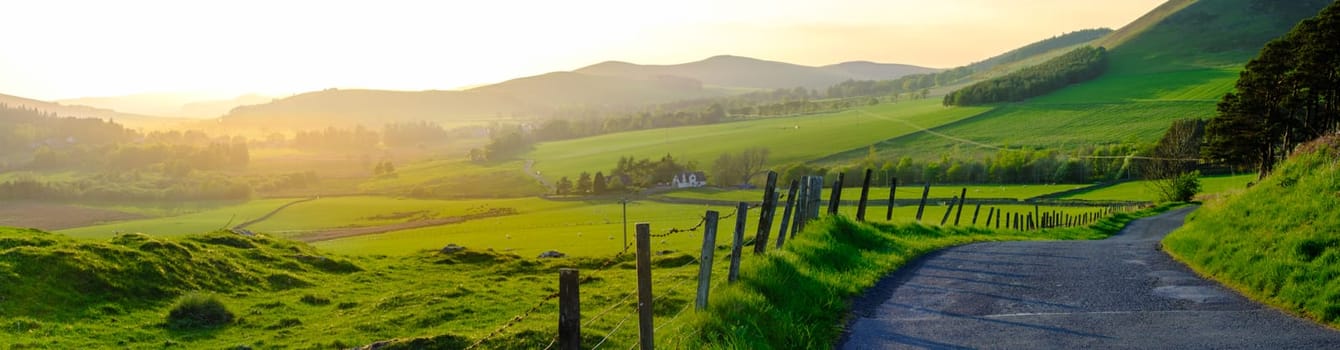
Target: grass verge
<point x="1278" y="242"/>
<point x="798" y="297"/>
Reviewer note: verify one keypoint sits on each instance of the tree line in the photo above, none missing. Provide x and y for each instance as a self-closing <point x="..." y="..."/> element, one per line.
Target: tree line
<point x="1288" y="95"/>
<point x="1076" y="66"/>
<point x="1103" y="163"/>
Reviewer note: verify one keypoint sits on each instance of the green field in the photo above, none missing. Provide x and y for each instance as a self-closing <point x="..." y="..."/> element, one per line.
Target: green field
<point x="1141" y="190"/>
<point x="456" y="178"/>
<point x="876" y="193"/>
<point x="197" y="222"/>
<point x="790" y="139"/>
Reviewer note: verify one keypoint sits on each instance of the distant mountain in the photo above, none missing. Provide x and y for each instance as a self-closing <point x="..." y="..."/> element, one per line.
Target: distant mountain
<point x="524" y="96"/>
<point x="127" y="119"/>
<point x="735" y="71"/>
<point x="215" y="108"/>
<point x="185" y="105"/>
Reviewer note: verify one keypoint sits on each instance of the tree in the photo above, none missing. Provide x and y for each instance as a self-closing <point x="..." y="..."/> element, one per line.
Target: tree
<point x="739" y="169"/>
<point x="598" y="185"/>
<point x="584" y="183"/>
<point x="1286" y="96"/>
<point x="1173" y="158"/>
<point x="563" y="186"/>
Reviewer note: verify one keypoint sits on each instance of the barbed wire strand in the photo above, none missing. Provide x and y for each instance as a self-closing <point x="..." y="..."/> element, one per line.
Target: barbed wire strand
<point x="612" y="331"/>
<point x="513" y="321"/>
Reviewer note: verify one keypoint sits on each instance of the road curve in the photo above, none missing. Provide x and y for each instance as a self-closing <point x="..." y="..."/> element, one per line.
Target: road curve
<point x="1122" y="292"/>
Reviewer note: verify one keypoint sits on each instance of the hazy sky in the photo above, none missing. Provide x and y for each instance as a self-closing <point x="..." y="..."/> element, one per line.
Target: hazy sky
<point x="64" y="48"/>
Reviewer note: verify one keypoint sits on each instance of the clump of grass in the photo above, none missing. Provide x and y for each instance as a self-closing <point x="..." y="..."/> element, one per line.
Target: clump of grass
<point x="199" y="310"/>
<point x="1278" y="242"/>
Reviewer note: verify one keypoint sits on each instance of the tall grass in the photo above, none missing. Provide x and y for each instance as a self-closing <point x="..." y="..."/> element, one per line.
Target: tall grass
<point x="797" y="297"/>
<point x="1278" y="242"/>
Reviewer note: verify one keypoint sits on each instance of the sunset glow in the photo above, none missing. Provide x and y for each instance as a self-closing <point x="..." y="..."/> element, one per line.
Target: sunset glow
<point x="65" y="49"/>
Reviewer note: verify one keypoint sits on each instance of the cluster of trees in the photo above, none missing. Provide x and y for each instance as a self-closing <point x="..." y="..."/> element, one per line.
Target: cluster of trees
<point x="919" y="84"/>
<point x="384" y="168"/>
<point x="414" y="134"/>
<point x="1286" y="96"/>
<point x="1172" y="165"/>
<point x="629" y="174"/>
<point x="1076" y="66"/>
<point x="175" y="160"/>
<point x="1010" y="166"/>
<point x="23" y="130"/>
<point x="128" y="186"/>
<point x="359" y="138"/>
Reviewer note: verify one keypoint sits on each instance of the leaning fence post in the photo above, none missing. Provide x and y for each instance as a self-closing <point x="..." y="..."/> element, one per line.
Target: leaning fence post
<point x="741" y="210"/>
<point x="990" y="212"/>
<point x="705" y="260"/>
<point x="976" y="210"/>
<point x="922" y="208"/>
<point x="644" y="298"/>
<point x="802" y="199"/>
<point x="765" y="214"/>
<point x="893" y="190"/>
<point x="865" y="195"/>
<point x="961" y="199"/>
<point x="569" y="310"/>
<point x="948" y="211"/>
<point x="786" y="214"/>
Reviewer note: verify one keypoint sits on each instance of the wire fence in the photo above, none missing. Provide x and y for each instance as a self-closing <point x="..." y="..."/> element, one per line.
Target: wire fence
<point x="592" y="275"/>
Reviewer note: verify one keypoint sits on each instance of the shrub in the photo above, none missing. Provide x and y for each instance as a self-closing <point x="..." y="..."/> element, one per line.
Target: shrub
<point x="199" y="310"/>
<point x="1183" y="187"/>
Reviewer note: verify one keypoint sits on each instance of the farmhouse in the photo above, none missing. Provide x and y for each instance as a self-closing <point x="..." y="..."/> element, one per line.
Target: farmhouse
<point x="689" y="179"/>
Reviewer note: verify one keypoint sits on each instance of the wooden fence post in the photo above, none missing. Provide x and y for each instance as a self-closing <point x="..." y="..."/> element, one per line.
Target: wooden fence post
<point x="816" y="197"/>
<point x="835" y="197"/>
<point x="705" y="260"/>
<point x="786" y="213"/>
<point x="802" y="199"/>
<point x="865" y="195"/>
<point x="976" y="210"/>
<point x="569" y="310"/>
<point x="949" y="211"/>
<point x="990" y="212"/>
<point x="961" y="199"/>
<point x="741" y="211"/>
<point x="893" y="193"/>
<point x="922" y="208"/>
<point x="765" y="214"/>
<point x="644" y="298"/>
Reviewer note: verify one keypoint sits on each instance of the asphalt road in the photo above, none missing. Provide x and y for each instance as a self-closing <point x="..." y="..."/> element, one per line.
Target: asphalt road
<point x="1122" y="292"/>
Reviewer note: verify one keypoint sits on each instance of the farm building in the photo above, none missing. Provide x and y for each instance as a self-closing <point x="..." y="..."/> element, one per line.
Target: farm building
<point x="689" y="179"/>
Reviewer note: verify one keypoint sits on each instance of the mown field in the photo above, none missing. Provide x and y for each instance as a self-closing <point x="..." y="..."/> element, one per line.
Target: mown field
<point x="1141" y="190"/>
<point x="790" y="139"/>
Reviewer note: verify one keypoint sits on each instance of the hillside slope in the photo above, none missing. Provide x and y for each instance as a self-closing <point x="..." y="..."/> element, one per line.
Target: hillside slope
<point x="735" y="71"/>
<point x="1278" y="241"/>
<point x="1167" y="66"/>
<point x="523" y="96"/>
<point x="127" y="119"/>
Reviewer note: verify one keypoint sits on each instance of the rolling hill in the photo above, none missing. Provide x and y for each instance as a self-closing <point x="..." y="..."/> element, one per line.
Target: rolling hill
<point x="134" y="121"/>
<point x="735" y="71"/>
<point x="1175" y="62"/>
<point x="609" y="84"/>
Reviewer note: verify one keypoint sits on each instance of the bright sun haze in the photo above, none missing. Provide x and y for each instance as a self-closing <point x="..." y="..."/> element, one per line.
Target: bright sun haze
<point x="69" y="48"/>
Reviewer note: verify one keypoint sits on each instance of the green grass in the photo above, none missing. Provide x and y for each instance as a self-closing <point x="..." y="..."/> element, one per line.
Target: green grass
<point x="790" y="139"/>
<point x="1141" y="190"/>
<point x="796" y="298"/>
<point x="457" y="179"/>
<point x="882" y="193"/>
<point x="196" y="222"/>
<point x="1278" y="242"/>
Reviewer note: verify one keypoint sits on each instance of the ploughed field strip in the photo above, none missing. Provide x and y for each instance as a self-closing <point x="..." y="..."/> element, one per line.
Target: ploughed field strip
<point x="1123" y="292"/>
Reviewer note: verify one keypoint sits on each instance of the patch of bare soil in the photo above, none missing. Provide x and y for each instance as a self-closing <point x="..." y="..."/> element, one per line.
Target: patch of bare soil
<point x="47" y="216"/>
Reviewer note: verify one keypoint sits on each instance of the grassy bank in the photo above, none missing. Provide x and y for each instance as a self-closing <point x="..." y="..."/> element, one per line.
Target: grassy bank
<point x="797" y="298"/>
<point x="1278" y="242"/>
